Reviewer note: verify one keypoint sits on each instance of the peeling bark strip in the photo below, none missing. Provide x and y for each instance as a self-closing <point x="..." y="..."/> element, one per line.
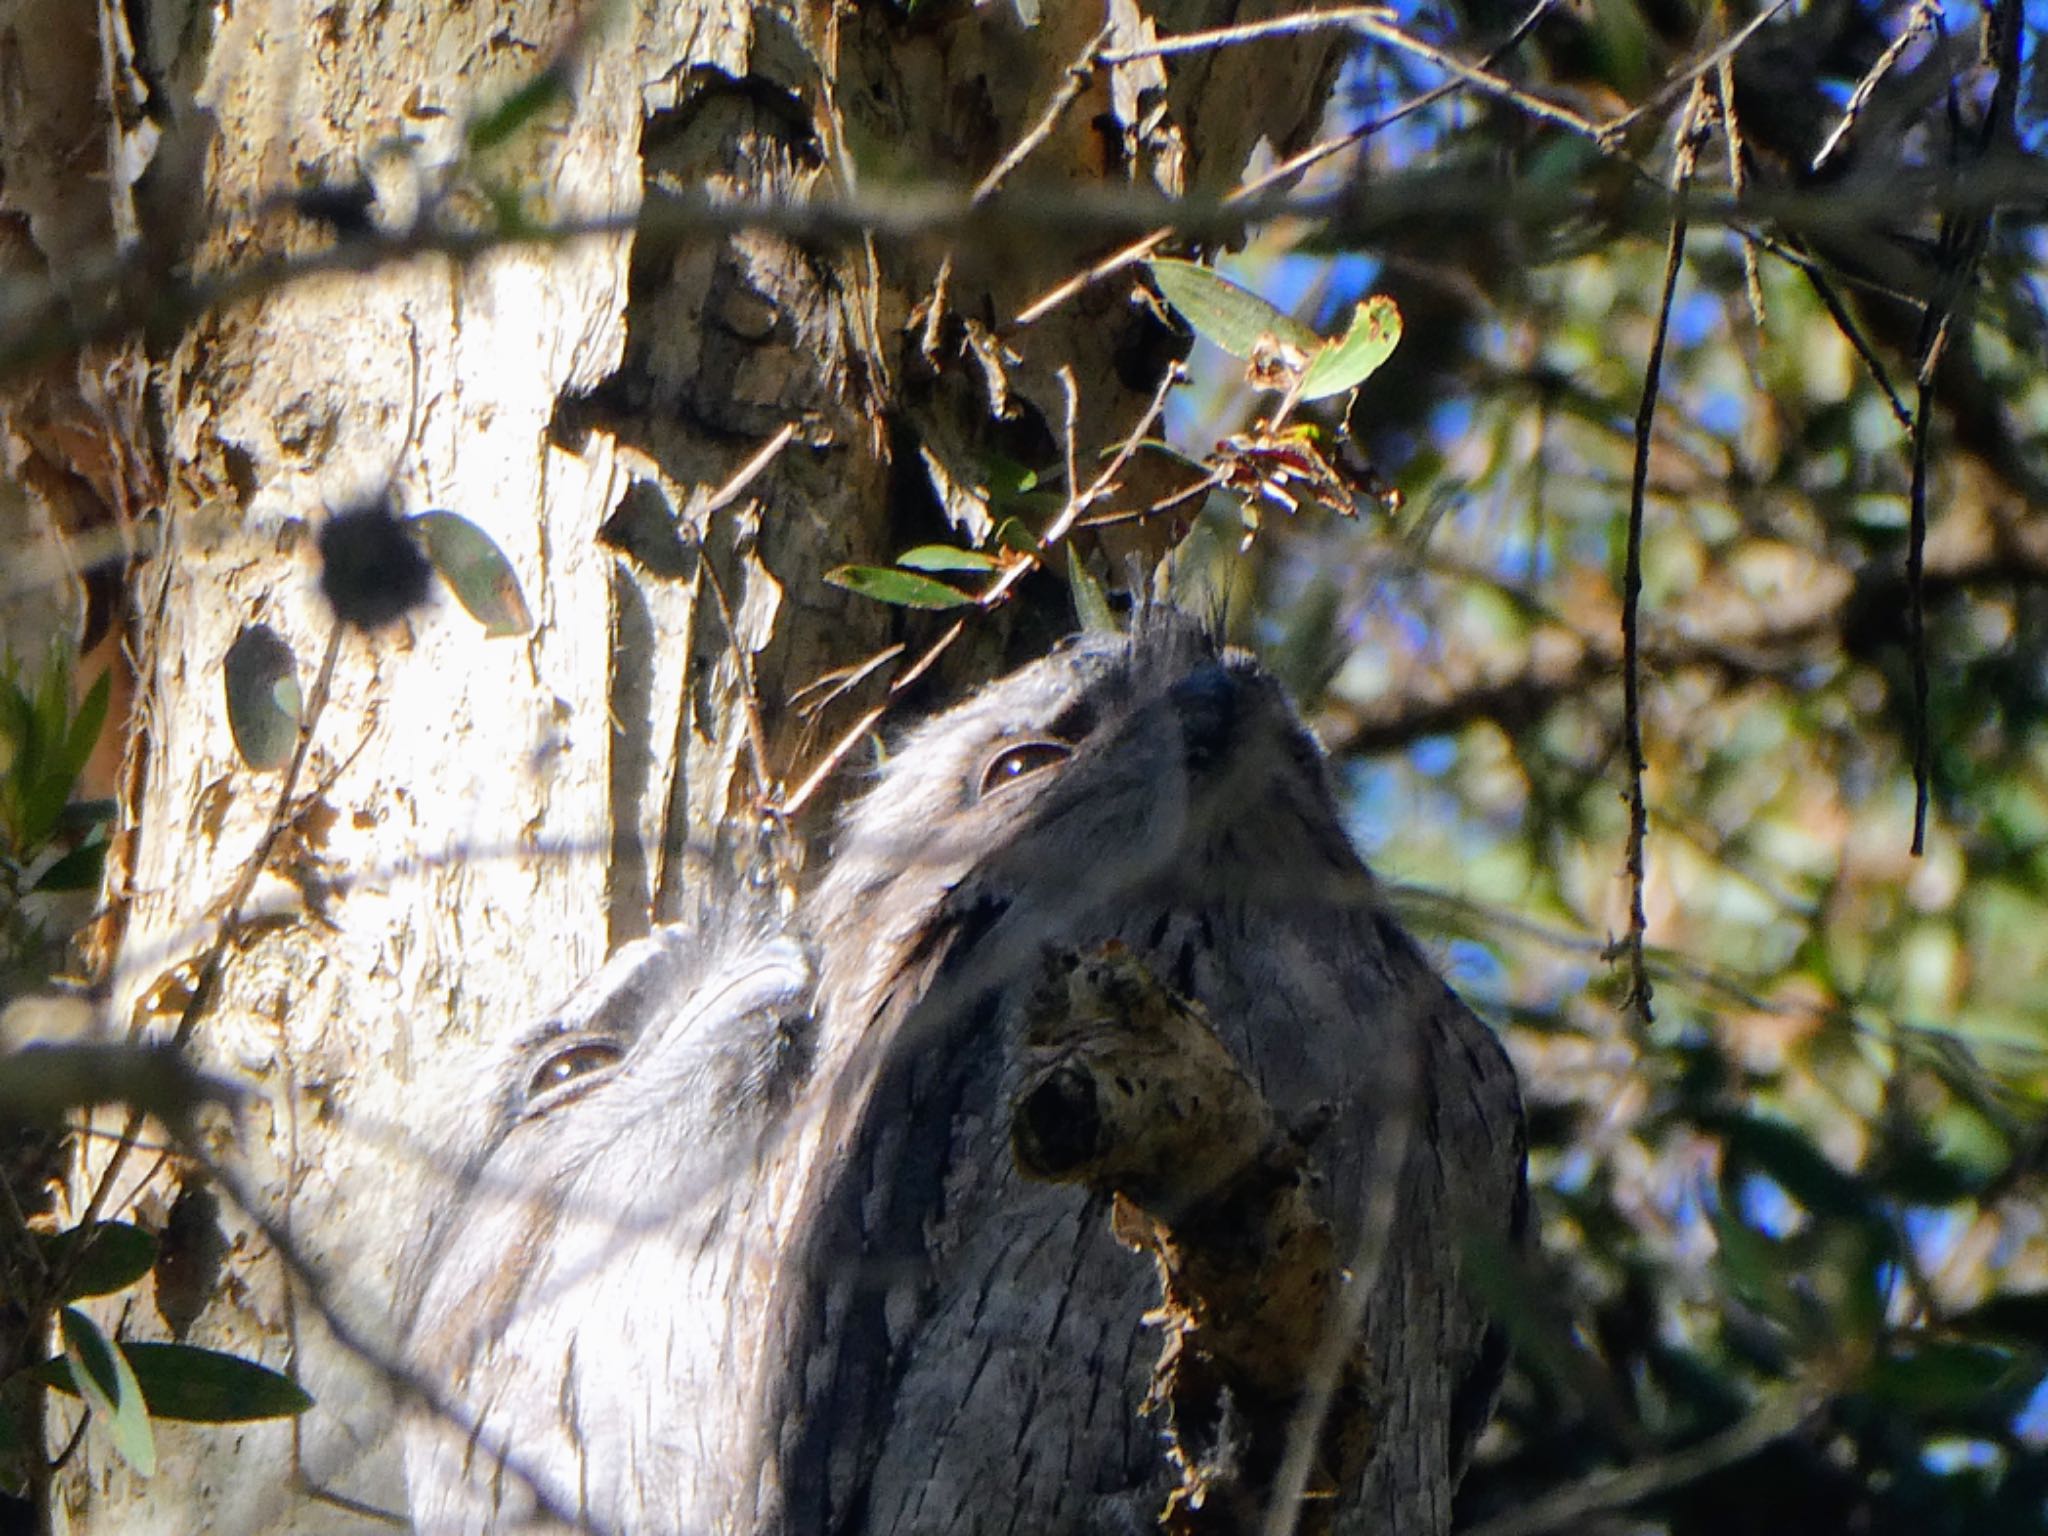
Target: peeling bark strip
<point x="1129" y="1093"/>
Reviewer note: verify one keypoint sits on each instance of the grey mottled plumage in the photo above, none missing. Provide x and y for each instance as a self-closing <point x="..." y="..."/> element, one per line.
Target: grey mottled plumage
<point x="715" y="1270"/>
<point x="589" y="1303"/>
<point x="963" y="1348"/>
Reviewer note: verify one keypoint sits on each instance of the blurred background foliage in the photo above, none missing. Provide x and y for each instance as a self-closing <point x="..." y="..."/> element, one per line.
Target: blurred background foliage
<point x="1795" y="1264"/>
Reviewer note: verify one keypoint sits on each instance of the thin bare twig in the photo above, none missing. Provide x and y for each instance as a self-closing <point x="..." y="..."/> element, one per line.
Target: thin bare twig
<point x="1693" y="73"/>
<point x="1350" y="18"/>
<point x="749" y="472"/>
<point x="798" y="798"/>
<point x="814" y="697"/>
<point x="1570" y="1507"/>
<point x="933" y="652"/>
<point x="1077" y="502"/>
<point x="757" y="738"/>
<point x="1738" y="184"/>
<point x="1076" y="78"/>
<point x="1964" y="236"/>
<point x="1379" y="26"/>
<point x="1286" y="169"/>
<point x="1847" y="324"/>
<point x="212" y="965"/>
<point x="1639" y="987"/>
<point x="1922" y="20"/>
<point x="1916" y="601"/>
<point x="1079" y="75"/>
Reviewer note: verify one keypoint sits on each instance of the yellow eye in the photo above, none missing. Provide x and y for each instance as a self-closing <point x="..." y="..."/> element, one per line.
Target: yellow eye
<point x="1020" y="760"/>
<point x="570" y="1064"/>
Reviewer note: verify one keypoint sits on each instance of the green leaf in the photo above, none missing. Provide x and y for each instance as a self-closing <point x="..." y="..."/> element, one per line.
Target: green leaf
<point x="518" y="109"/>
<point x="1788" y="1156"/>
<point x="1751" y="1265"/>
<point x="53" y="700"/>
<point x="901" y="588"/>
<point x="1941" y="1374"/>
<point x="1007" y="477"/>
<point x="1013" y="534"/>
<point x="103" y="1378"/>
<point x="1219" y="310"/>
<point x="1091" y="603"/>
<point x="204" y="1386"/>
<point x="116" y="1255"/>
<point x="944" y="557"/>
<point x="197" y="1386"/>
<point x="1014" y="490"/>
<point x="476" y="571"/>
<point x="42" y="802"/>
<point x="1341" y="365"/>
<point x="86" y="726"/>
<point x="17" y="726"/>
<point x="262" y="682"/>
<point x="78" y="870"/>
<point x="2017" y="1318"/>
<point x="84" y="815"/>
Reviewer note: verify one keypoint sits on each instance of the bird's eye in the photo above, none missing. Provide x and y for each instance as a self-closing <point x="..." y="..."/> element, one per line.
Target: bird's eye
<point x="570" y="1063"/>
<point x="1020" y="760"/>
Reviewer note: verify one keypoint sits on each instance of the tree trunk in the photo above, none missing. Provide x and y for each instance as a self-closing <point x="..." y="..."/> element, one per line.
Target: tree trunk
<point x="478" y="820"/>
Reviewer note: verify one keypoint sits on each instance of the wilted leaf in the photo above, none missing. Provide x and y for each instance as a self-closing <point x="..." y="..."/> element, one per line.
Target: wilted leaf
<point x="476" y="571"/>
<point x="191" y="1250"/>
<point x="1343" y="364"/>
<point x="103" y="1378"/>
<point x="263" y="697"/>
<point x="944" y="557"/>
<point x="116" y="1255"/>
<point x="903" y="589"/>
<point x="1218" y="310"/>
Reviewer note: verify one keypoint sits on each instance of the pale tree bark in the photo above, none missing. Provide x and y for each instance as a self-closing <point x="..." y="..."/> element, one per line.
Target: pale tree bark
<point x="477" y="820"/>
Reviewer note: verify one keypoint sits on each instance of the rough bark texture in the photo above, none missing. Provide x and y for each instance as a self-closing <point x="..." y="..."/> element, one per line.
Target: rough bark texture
<point x="1131" y="1093"/>
<point x="479" y="820"/>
